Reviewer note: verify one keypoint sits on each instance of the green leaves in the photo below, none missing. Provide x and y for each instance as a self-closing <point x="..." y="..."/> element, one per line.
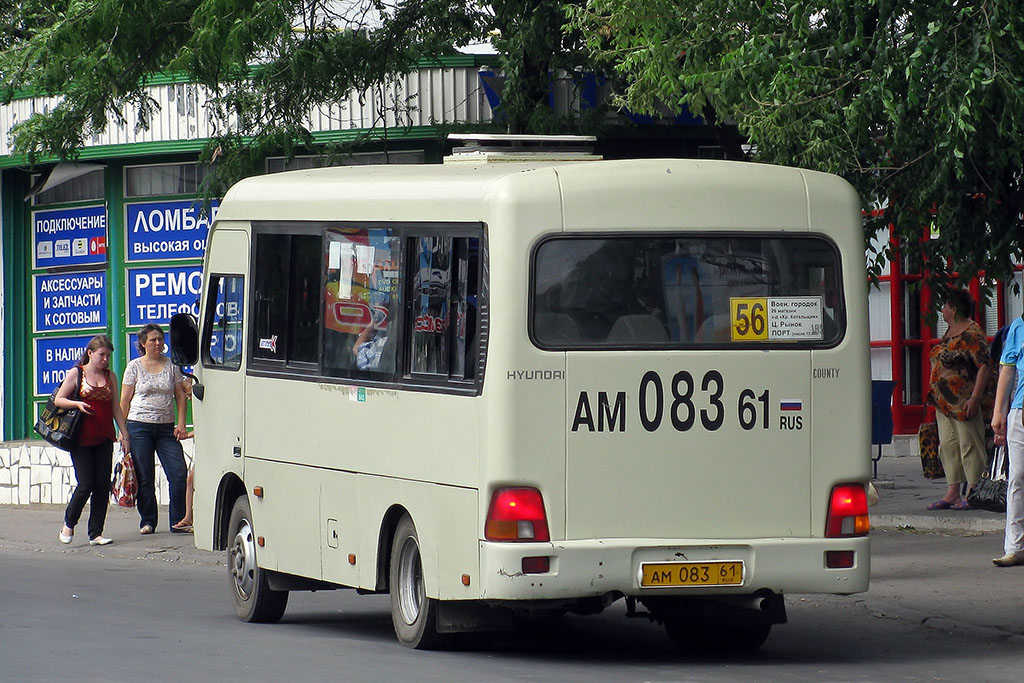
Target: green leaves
<point x="533" y="44"/>
<point x="911" y="102"/>
<point x="266" y="62"/>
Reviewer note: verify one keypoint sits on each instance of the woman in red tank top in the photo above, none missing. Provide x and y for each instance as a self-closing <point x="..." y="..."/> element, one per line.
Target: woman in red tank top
<point x="94" y="445"/>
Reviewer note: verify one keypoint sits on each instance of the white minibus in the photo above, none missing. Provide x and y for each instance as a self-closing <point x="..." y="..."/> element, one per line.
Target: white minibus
<point x="505" y="390"/>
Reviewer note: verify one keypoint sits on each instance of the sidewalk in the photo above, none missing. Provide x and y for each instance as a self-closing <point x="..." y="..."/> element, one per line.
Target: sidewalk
<point x="35" y="527"/>
<point x="904" y="495"/>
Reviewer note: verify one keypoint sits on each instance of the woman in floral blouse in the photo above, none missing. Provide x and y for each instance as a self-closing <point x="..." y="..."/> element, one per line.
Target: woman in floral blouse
<point x="960" y="371"/>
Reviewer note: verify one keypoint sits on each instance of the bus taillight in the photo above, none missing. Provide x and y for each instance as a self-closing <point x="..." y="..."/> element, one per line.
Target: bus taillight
<point x="516" y="514"/>
<point x="847" y="511"/>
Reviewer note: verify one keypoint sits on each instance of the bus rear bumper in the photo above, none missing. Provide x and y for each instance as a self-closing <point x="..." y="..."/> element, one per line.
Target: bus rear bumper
<point x="599" y="567"/>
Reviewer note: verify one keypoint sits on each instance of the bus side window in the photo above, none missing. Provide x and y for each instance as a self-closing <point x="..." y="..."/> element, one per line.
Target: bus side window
<point x="465" y="304"/>
<point x="270" y="310"/>
<point x="286" y="324"/>
<point x="304" y="326"/>
<point x="444" y="321"/>
<point x="223" y="333"/>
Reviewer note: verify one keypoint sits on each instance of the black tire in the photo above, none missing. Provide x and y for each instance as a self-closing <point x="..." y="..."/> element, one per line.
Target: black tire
<point x="701" y="639"/>
<point x="413" y="614"/>
<point x="252" y="597"/>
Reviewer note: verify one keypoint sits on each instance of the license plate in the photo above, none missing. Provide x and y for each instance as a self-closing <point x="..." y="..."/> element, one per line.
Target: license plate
<point x="675" y="574"/>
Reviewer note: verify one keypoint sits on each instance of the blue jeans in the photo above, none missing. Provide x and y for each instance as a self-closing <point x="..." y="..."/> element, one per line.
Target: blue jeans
<point x="147" y="438"/>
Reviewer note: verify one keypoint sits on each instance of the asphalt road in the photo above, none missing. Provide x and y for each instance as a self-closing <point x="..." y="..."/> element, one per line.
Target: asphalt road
<point x="937" y="610"/>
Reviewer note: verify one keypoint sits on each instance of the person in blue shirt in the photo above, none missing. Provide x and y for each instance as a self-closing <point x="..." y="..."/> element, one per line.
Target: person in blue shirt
<point x="1009" y="430"/>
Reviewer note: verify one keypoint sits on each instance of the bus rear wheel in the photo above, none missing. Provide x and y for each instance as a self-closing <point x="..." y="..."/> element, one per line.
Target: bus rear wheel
<point x="413" y="614"/>
<point x="251" y="595"/>
<point x="701" y="638"/>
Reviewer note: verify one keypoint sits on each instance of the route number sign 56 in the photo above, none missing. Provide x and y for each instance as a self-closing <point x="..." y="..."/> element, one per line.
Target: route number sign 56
<point x="749" y="318"/>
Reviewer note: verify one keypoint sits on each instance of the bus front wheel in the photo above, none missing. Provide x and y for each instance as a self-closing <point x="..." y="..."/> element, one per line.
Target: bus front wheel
<point x="253" y="599"/>
<point x="412" y="612"/>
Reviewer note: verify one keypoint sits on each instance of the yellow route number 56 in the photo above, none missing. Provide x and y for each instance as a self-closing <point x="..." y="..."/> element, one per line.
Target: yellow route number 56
<point x="749" y="318"/>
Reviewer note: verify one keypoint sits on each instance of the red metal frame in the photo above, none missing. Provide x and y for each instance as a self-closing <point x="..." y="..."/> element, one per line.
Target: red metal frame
<point x="908" y="417"/>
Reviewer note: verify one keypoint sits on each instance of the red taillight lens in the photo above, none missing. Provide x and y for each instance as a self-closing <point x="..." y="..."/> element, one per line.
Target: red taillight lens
<point x="847" y="511"/>
<point x="839" y="559"/>
<point x="536" y="565"/>
<point x="516" y="514"/>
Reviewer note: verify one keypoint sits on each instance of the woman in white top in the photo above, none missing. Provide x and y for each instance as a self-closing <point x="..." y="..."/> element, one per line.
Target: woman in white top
<point x="150" y="391"/>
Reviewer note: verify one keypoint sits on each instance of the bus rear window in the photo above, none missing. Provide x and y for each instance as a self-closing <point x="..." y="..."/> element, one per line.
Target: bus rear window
<point x="686" y="291"/>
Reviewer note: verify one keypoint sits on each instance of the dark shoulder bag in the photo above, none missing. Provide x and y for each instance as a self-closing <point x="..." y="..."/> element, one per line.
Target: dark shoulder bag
<point x="59" y="426"/>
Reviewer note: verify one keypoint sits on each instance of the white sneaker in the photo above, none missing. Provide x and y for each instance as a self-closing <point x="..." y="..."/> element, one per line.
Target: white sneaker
<point x="100" y="540"/>
<point x="66" y="539"/>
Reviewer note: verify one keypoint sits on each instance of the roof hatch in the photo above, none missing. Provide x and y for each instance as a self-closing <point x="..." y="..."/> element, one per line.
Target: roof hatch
<point x="485" y="148"/>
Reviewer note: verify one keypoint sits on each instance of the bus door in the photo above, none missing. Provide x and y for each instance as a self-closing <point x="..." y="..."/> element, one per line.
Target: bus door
<point x="220" y="411"/>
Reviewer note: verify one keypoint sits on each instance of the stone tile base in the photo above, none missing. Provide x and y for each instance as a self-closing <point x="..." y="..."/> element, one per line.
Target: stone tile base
<point x="903" y="445"/>
<point x="36" y="472"/>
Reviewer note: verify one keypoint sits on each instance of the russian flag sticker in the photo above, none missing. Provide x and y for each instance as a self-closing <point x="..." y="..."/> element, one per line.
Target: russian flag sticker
<point x="791" y="404"/>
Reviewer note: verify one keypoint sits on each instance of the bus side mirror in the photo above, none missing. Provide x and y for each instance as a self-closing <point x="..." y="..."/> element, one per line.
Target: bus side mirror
<point x="184" y="339"/>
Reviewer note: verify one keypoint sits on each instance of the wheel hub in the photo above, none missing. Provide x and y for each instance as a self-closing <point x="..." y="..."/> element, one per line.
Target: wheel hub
<point x="242" y="560"/>
<point x="410" y="581"/>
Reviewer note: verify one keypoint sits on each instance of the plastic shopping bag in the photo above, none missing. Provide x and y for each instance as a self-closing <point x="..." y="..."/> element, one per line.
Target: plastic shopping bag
<point x="125" y="485"/>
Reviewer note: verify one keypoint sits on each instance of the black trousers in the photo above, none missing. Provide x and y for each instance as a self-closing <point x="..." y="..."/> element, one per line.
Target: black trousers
<point x="92" y="470"/>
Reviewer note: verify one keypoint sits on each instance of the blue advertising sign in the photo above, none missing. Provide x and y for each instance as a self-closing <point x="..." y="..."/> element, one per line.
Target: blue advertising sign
<point x="168" y="230"/>
<point x="54" y="357"/>
<point x="155" y="294"/>
<point x="70" y="301"/>
<point x="69" y="237"/>
<point x="226" y="336"/>
<point x="226" y="346"/>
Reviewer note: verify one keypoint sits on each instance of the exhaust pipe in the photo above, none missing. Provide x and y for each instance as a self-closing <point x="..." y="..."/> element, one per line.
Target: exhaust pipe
<point x="762" y="607"/>
<point x="758" y="603"/>
<point x="762" y="602"/>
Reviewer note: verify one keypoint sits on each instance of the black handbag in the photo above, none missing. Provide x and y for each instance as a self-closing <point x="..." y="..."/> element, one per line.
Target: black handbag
<point x="990" y="492"/>
<point x="59" y="426"/>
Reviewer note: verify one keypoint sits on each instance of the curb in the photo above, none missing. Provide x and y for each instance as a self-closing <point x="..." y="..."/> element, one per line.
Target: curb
<point x="938" y="523"/>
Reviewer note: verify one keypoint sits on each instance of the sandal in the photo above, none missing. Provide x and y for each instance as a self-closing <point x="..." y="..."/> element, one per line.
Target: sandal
<point x="146" y="529"/>
<point x="941" y="505"/>
<point x="961" y="505"/>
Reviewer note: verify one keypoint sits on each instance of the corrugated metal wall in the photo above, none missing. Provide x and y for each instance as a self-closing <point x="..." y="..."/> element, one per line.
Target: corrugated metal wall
<point x="425" y="97"/>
